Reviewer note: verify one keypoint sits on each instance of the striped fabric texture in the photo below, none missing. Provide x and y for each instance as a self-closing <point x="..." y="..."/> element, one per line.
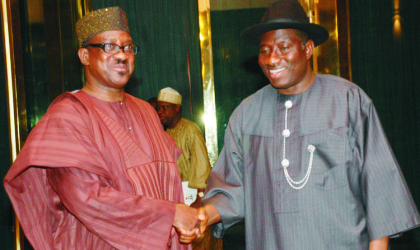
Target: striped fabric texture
<point x="97" y="175"/>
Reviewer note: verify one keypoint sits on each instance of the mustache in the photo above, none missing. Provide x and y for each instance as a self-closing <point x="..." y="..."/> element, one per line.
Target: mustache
<point x="119" y="61"/>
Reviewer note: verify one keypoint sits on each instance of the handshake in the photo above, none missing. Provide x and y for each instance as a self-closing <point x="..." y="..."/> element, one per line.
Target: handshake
<point x="190" y="222"/>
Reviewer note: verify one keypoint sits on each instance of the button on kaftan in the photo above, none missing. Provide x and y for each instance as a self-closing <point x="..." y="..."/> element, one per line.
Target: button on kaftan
<point x="355" y="193"/>
<point x="107" y="177"/>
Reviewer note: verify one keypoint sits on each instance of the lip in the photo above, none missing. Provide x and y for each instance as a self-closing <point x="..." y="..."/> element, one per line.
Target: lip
<point x="121" y="67"/>
<point x="275" y="73"/>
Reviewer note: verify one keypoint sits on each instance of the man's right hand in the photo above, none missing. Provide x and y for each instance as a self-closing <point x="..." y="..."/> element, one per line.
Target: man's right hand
<point x="185" y="223"/>
<point x="187" y="236"/>
<point x="185" y="217"/>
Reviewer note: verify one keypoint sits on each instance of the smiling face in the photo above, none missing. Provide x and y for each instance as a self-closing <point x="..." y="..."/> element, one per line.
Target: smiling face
<point x="104" y="70"/>
<point x="284" y="59"/>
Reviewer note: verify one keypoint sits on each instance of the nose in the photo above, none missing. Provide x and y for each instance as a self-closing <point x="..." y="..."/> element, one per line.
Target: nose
<point x="274" y="57"/>
<point x="121" y="55"/>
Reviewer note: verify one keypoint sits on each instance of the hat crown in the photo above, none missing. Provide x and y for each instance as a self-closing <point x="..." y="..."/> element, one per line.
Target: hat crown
<point x="169" y="95"/>
<point x="98" y="21"/>
<point x="285" y="9"/>
<point x="285" y="14"/>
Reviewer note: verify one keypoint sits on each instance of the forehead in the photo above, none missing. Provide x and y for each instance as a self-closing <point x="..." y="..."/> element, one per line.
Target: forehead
<point x="112" y="35"/>
<point x="160" y="103"/>
<point x="280" y="35"/>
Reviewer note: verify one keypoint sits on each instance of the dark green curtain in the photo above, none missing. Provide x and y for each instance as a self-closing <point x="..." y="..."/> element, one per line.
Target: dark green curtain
<point x="34" y="62"/>
<point x="237" y="74"/>
<point x="387" y="68"/>
<point x="50" y="61"/>
<point x="167" y="33"/>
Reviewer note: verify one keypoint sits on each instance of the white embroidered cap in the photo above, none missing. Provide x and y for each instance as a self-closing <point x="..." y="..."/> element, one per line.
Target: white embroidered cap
<point x="170" y="95"/>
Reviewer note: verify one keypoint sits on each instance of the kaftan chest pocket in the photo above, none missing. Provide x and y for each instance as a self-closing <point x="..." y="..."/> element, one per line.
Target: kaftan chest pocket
<point x="329" y="158"/>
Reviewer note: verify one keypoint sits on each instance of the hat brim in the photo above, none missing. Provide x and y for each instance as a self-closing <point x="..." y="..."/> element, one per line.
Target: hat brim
<point x="315" y="32"/>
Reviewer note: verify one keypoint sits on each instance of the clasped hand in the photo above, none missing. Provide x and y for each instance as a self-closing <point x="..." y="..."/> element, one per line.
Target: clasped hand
<point x="189" y="222"/>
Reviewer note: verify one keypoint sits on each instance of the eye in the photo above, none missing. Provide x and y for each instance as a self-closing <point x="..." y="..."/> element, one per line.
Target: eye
<point x="264" y="50"/>
<point x="284" y="48"/>
<point x="109" y="46"/>
<point x="128" y="48"/>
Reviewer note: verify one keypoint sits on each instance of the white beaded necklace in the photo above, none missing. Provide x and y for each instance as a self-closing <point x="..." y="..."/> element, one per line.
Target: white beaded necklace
<point x="285" y="163"/>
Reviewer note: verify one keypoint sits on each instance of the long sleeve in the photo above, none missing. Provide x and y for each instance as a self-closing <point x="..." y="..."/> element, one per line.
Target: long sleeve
<point x="124" y="221"/>
<point x="390" y="208"/>
<point x="200" y="165"/>
<point x="225" y="190"/>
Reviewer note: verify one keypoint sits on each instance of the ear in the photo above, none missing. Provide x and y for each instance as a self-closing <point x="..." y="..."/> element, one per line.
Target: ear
<point x="177" y="108"/>
<point x="309" y="49"/>
<point x="83" y="56"/>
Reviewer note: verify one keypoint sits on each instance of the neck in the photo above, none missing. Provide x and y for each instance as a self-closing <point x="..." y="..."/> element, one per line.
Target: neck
<point x="104" y="93"/>
<point x="302" y="86"/>
<point x="175" y="122"/>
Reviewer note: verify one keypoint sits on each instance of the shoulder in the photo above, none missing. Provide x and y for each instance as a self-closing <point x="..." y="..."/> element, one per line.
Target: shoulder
<point x="266" y="92"/>
<point x="66" y="113"/>
<point x="337" y="90"/>
<point x="67" y="105"/>
<point x="338" y="100"/>
<point x="136" y="99"/>
<point x="331" y="83"/>
<point x="255" y="113"/>
<point x="260" y="102"/>
<point x="143" y="106"/>
<point x="188" y="123"/>
<point x="139" y="102"/>
<point x="188" y="126"/>
<point x="255" y="102"/>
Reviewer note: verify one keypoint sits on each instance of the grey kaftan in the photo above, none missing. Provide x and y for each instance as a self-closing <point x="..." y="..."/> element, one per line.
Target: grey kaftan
<point x="355" y="193"/>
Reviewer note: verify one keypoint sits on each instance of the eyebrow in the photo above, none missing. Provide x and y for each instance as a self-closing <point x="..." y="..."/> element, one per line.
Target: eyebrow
<point x="113" y="40"/>
<point x="277" y="42"/>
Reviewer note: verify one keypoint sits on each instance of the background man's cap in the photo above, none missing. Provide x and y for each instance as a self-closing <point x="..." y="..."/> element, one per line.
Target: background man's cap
<point x="170" y="95"/>
<point x="285" y="14"/>
<point x="98" y="21"/>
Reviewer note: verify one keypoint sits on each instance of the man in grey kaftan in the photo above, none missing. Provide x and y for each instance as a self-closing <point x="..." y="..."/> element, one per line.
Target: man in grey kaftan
<point x="305" y="160"/>
<point x="355" y="190"/>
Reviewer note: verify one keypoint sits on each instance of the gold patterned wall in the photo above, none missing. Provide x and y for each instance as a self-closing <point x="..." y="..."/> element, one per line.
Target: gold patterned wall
<point x="208" y="79"/>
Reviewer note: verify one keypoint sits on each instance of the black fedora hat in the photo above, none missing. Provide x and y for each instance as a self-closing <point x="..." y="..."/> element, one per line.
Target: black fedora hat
<point x="285" y="14"/>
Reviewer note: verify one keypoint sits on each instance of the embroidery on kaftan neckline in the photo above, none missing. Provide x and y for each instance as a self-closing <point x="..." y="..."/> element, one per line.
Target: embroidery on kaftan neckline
<point x="285" y="163"/>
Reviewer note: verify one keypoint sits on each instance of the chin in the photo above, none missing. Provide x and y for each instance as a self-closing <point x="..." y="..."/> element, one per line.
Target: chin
<point x="280" y="85"/>
<point x="121" y="82"/>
